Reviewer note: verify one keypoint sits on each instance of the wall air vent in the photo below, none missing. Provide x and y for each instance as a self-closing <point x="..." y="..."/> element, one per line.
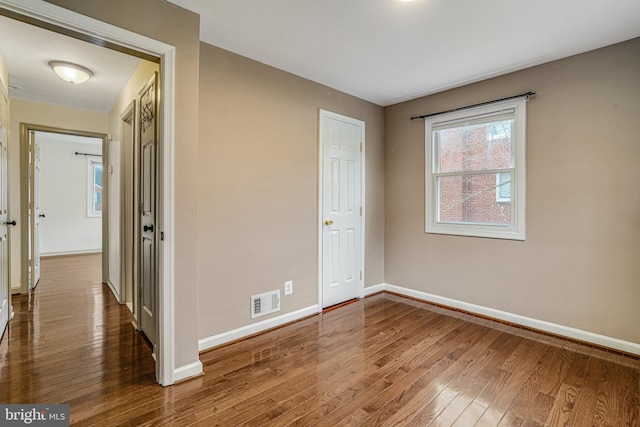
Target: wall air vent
<point x="266" y="303"/>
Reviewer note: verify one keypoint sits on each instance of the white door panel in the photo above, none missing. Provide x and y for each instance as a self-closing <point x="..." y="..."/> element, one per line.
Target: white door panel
<point x="37" y="215"/>
<point x="34" y="212"/>
<point x="342" y="263"/>
<point x="4" y="242"/>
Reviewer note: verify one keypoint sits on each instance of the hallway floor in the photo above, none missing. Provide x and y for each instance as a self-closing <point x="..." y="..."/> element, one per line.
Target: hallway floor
<point x="71" y="342"/>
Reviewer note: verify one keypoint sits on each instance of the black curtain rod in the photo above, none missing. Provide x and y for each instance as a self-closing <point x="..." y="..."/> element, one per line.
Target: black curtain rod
<point x="528" y="95"/>
<point x="87" y="154"/>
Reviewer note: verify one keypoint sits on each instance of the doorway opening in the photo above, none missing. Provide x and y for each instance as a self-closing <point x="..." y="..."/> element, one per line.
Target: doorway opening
<point x="62" y="176"/>
<point x="63" y="21"/>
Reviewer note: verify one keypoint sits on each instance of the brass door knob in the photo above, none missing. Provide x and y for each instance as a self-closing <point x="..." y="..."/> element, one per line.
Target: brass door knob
<point x="328" y="221"/>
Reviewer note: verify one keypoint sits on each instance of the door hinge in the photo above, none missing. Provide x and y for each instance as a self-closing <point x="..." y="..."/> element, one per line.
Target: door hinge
<point x="360" y="275"/>
<point x="361" y="147"/>
<point x="162" y="235"/>
<point x="360" y="210"/>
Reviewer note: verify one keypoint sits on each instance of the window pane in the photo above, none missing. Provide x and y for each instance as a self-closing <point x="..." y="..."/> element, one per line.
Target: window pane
<point x="503" y="187"/>
<point x="97" y="173"/>
<point x="471" y="199"/>
<point x="474" y="147"/>
<point x="97" y="187"/>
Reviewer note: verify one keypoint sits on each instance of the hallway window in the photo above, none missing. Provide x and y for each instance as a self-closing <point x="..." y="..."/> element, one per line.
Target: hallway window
<point x="94" y="188"/>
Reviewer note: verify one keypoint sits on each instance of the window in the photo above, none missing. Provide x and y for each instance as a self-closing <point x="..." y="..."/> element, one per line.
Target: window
<point x="94" y="187"/>
<point x="475" y="171"/>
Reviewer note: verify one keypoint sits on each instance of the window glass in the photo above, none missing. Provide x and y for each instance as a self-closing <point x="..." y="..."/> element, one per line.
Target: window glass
<point x="94" y="187"/>
<point x="97" y="187"/>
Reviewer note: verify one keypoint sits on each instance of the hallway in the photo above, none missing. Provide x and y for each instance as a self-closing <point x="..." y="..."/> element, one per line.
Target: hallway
<point x="71" y="342"/>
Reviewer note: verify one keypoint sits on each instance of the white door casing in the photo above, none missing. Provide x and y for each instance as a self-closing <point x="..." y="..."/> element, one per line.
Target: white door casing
<point x="341" y="208"/>
<point x="128" y="237"/>
<point x="4" y="241"/>
<point x="147" y="251"/>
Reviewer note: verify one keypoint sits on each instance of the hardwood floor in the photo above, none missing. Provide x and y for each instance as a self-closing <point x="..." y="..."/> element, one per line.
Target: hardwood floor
<point x="385" y="360"/>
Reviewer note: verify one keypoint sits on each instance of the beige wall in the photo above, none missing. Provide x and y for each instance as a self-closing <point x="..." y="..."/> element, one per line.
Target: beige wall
<point x="257" y="186"/>
<point x="45" y="115"/>
<point x="178" y="27"/>
<point x="579" y="265"/>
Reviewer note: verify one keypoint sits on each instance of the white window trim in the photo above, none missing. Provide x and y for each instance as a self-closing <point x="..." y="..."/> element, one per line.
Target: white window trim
<point x="91" y="213"/>
<point x="516" y="231"/>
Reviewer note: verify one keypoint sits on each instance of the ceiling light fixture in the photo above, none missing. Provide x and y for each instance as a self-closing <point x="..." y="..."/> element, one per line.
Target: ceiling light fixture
<point x="72" y="73"/>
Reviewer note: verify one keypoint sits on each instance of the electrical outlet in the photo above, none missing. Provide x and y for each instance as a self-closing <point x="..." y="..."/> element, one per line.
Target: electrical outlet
<point x="288" y="287"/>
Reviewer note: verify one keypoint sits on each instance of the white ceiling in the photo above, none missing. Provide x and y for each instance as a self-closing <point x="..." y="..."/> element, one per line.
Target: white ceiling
<point x="384" y="51"/>
<point x="27" y="49"/>
<point x="388" y="51"/>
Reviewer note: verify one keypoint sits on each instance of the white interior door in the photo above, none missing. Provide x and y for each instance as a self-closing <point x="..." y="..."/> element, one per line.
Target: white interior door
<point x="4" y="243"/>
<point x="147" y="253"/>
<point x="35" y="214"/>
<point x="341" y="141"/>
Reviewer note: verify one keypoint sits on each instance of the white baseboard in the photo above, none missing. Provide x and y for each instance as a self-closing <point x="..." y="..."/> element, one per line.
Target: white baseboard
<point x="187" y="371"/>
<point x="244" y="331"/>
<point x="566" y="331"/>
<point x="75" y="252"/>
<point x="370" y="290"/>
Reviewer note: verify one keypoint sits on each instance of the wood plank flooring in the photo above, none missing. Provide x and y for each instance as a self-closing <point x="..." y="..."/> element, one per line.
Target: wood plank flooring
<point x="381" y="361"/>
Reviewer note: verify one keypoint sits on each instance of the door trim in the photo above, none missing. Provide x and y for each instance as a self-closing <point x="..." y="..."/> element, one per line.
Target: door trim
<point x="322" y="115"/>
<point x="128" y="229"/>
<point x="51" y="15"/>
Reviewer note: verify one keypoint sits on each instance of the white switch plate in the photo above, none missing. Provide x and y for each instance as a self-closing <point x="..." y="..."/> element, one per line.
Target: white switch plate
<point x="288" y="287"/>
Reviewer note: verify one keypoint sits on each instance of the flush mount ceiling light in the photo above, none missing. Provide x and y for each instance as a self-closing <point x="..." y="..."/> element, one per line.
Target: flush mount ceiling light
<point x="72" y="73"/>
